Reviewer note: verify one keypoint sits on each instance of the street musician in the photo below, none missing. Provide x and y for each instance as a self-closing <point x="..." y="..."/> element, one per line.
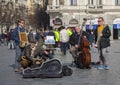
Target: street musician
<point x="102" y="39"/>
<point x="19" y="36"/>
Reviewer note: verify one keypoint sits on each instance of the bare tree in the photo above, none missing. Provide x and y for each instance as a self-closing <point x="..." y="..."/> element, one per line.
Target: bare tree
<point x="10" y="13"/>
<point x="40" y="19"/>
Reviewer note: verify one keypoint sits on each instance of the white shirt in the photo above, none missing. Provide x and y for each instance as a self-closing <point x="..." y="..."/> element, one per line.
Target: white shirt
<point x="64" y="37"/>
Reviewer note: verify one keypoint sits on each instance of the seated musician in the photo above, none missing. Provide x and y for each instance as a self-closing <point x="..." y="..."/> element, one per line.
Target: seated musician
<point x="45" y="49"/>
<point x="74" y="40"/>
<point x="27" y="56"/>
<point x="34" y="55"/>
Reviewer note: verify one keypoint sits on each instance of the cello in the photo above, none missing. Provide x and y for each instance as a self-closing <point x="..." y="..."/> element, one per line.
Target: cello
<point x="84" y="55"/>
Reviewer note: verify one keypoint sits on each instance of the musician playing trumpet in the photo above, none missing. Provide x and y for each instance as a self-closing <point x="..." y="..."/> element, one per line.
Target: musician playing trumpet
<point x="20" y="39"/>
<point x="102" y="35"/>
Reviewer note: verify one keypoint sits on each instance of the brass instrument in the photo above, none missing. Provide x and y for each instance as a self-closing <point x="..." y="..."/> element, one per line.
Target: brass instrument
<point x="24" y="62"/>
<point x="23" y="39"/>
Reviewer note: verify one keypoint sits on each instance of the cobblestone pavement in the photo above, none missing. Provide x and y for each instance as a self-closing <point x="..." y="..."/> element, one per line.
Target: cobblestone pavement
<point x="79" y="76"/>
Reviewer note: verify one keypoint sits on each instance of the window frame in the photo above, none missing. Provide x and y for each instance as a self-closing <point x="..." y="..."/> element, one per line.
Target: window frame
<point x="91" y="2"/>
<point x="117" y="2"/>
<point x="73" y="2"/>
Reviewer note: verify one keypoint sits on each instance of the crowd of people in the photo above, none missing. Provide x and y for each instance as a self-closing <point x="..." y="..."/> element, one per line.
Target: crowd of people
<point x="36" y="49"/>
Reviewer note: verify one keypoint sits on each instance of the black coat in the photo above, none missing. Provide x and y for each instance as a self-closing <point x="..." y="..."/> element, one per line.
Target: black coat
<point x="27" y="53"/>
<point x="104" y="40"/>
<point x="74" y="38"/>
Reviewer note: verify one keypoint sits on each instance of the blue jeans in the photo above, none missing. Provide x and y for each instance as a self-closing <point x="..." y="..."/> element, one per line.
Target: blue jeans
<point x="18" y="52"/>
<point x="91" y="39"/>
<point x="103" y="56"/>
<point x="64" y="47"/>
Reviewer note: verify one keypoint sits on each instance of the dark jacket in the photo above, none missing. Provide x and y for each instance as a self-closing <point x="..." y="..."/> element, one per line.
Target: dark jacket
<point x="31" y="37"/>
<point x="74" y="39"/>
<point x="15" y="34"/>
<point x="27" y="53"/>
<point x="104" y="40"/>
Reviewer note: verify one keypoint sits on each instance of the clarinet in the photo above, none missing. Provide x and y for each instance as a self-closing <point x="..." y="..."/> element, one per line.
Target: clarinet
<point x="97" y="43"/>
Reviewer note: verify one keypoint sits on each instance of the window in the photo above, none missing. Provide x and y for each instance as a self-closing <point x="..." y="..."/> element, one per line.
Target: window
<point x="36" y="1"/>
<point x="99" y="2"/>
<point x="90" y="2"/>
<point x="117" y="2"/>
<point x="49" y="2"/>
<point x="61" y="2"/>
<point x="16" y="1"/>
<point x="57" y="2"/>
<point x="73" y="2"/>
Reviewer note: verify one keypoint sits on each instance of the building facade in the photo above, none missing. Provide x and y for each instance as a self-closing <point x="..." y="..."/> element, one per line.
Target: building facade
<point x="72" y="12"/>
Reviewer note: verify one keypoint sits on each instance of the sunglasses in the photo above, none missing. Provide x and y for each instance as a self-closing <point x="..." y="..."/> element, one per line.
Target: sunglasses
<point x="22" y="22"/>
<point x="99" y="20"/>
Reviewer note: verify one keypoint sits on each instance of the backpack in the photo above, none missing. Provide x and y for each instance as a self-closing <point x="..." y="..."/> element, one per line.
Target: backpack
<point x="67" y="71"/>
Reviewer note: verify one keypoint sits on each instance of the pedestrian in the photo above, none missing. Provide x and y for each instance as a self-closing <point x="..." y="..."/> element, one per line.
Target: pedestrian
<point x="102" y="35"/>
<point x="38" y="34"/>
<point x="9" y="40"/>
<point x="16" y="35"/>
<point x="69" y="31"/>
<point x="57" y="37"/>
<point x="91" y="36"/>
<point x="0" y="40"/>
<point x="32" y="35"/>
<point x="64" y="39"/>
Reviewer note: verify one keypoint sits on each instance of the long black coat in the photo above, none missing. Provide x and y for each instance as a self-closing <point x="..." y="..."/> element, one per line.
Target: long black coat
<point x="104" y="40"/>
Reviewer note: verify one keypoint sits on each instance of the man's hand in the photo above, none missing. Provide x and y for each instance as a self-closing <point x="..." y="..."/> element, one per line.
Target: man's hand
<point x="85" y="37"/>
<point x="101" y="34"/>
<point x="37" y="62"/>
<point x="76" y="46"/>
<point x="46" y="52"/>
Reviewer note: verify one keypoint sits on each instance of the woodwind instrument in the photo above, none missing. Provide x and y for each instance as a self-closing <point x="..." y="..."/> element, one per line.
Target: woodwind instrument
<point x="97" y="43"/>
<point x="98" y="39"/>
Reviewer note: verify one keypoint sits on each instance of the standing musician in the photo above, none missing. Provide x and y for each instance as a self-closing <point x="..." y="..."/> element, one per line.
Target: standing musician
<point x="102" y="35"/>
<point x="20" y="38"/>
